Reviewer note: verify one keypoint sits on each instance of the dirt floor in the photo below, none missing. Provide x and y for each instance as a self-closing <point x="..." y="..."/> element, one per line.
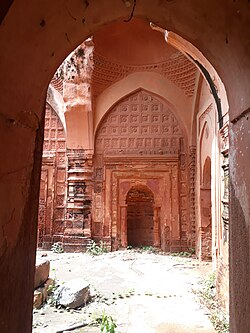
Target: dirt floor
<point x="143" y="292"/>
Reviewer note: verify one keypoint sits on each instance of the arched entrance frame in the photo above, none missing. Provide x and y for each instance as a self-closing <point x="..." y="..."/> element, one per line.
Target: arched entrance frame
<point x="167" y="170"/>
<point x="115" y="202"/>
<point x="207" y="70"/>
<point x="52" y="34"/>
<point x="208" y="141"/>
<point x="140" y="217"/>
<point x="206" y="137"/>
<point x="206" y="213"/>
<point x="156" y="210"/>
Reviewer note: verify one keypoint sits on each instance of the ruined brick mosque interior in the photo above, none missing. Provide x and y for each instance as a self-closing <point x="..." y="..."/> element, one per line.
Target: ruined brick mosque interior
<point x="135" y="149"/>
<point x="139" y="137"/>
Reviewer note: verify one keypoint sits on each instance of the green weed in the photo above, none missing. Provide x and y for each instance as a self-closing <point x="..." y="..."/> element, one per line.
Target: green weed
<point x="95" y="249"/>
<point x="207" y="295"/>
<point x="182" y="254"/>
<point x="57" y="247"/>
<point x="107" y="324"/>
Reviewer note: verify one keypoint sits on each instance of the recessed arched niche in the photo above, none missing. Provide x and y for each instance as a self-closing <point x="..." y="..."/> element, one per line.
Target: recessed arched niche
<point x="141" y="168"/>
<point x="140" y="216"/>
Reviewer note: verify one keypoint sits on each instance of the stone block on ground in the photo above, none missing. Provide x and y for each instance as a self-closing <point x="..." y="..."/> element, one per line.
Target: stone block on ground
<point x="41" y="293"/>
<point x="41" y="272"/>
<point x="38" y="299"/>
<point x="48" y="286"/>
<point x="73" y="293"/>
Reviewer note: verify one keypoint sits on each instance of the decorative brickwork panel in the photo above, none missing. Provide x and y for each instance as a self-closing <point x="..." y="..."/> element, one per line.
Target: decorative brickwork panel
<point x="179" y="70"/>
<point x="140" y="141"/>
<point x="54" y="136"/>
<point x="79" y="200"/>
<point x="192" y="163"/>
<point x="42" y="207"/>
<point x="57" y="83"/>
<point x="225" y="167"/>
<point x="52" y="199"/>
<point x="139" y="125"/>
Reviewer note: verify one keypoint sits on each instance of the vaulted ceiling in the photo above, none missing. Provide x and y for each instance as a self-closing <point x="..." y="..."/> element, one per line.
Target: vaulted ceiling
<point x="121" y="49"/>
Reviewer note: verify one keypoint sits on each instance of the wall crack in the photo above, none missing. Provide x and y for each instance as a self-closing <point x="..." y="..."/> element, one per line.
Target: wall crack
<point x="132" y="13"/>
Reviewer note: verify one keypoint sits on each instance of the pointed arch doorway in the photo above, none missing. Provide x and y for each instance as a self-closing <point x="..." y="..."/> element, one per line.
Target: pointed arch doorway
<point x="140" y="141"/>
<point x="140" y="216"/>
<point x="206" y="218"/>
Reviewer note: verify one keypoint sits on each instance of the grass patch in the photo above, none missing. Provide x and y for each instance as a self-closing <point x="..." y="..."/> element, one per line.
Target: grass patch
<point x="57" y="247"/>
<point x="207" y="295"/>
<point x="95" y="249"/>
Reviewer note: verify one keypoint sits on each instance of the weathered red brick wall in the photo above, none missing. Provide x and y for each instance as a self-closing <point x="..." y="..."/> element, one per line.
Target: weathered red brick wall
<point x="147" y="145"/>
<point x="48" y="44"/>
<point x="53" y="187"/>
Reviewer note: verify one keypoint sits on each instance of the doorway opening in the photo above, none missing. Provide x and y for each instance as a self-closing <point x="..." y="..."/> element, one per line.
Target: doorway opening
<point x="140" y="216"/>
<point x="206" y="220"/>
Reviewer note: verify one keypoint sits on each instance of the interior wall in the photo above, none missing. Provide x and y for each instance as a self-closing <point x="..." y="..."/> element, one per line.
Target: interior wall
<point x="209" y="145"/>
<point x="239" y="242"/>
<point x="53" y="186"/>
<point x="133" y="140"/>
<point x="46" y="32"/>
<point x="153" y="82"/>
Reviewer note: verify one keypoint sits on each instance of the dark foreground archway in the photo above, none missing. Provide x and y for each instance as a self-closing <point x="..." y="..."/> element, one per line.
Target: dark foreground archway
<point x="34" y="40"/>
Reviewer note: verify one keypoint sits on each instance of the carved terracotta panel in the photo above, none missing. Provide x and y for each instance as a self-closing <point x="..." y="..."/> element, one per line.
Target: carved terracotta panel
<point x="53" y="179"/>
<point x="141" y="141"/>
<point x="140" y="124"/>
<point x="179" y="71"/>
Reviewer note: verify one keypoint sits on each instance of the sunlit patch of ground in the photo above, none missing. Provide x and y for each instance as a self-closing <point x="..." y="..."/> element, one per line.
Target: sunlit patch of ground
<point x="143" y="292"/>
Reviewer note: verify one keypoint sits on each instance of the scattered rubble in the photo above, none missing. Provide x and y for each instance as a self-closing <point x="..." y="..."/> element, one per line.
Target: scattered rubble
<point x="41" y="272"/>
<point x="142" y="292"/>
<point x="41" y="293"/>
<point x="42" y="283"/>
<point x="73" y="294"/>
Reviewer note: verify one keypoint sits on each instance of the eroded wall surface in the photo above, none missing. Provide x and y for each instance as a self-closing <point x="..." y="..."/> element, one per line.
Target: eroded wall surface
<point x="140" y="140"/>
<point x="33" y="43"/>
<point x="53" y="187"/>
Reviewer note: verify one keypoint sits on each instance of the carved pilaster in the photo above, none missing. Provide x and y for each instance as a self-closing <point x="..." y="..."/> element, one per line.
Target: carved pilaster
<point x="192" y="157"/>
<point x="46" y="200"/>
<point x="225" y="167"/>
<point x="157" y="240"/>
<point x="79" y="193"/>
<point x="123" y="217"/>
